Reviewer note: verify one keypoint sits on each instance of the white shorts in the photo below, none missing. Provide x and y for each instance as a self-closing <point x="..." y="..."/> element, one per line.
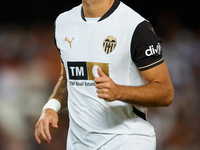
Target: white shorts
<point x="117" y="142"/>
<point x="130" y="142"/>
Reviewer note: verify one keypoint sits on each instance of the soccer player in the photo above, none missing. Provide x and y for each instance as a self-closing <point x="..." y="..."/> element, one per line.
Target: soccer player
<point x="112" y="71"/>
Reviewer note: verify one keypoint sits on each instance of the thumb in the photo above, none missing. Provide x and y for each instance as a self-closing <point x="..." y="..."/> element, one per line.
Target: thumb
<point x="55" y="123"/>
<point x="100" y="72"/>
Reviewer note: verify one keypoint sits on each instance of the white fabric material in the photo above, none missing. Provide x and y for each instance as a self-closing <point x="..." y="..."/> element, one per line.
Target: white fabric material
<point x="52" y="104"/>
<point x="115" y="142"/>
<point x="92" y="19"/>
<point x="130" y="142"/>
<point x="93" y="121"/>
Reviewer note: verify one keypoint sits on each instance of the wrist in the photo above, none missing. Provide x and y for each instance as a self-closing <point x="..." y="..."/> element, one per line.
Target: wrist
<point x="119" y="94"/>
<point x="52" y="104"/>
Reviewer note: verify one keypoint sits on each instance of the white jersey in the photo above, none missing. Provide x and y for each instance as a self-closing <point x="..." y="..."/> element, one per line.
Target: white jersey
<point x="114" y="44"/>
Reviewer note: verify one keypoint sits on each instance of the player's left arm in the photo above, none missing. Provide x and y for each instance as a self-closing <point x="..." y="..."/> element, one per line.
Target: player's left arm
<point x="159" y="92"/>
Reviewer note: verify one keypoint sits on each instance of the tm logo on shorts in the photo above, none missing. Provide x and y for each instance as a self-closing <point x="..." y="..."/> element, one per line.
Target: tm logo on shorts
<point x="83" y="70"/>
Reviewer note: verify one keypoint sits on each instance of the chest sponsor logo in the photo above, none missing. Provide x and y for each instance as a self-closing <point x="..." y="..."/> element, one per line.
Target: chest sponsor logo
<point x="109" y="44"/>
<point x="83" y="70"/>
<point x="153" y="51"/>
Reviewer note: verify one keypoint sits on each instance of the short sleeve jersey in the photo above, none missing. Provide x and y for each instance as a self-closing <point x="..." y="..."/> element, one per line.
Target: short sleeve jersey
<point x="121" y="43"/>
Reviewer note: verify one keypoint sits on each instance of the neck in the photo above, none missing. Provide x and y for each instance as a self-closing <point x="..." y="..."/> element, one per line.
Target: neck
<point x="96" y="8"/>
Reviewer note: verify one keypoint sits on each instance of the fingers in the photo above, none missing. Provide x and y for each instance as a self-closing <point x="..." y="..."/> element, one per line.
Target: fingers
<point x="103" y="89"/>
<point x="42" y="131"/>
<point x="102" y="85"/>
<point x="106" y="88"/>
<point x="102" y="77"/>
<point x="37" y="134"/>
<point x="99" y="80"/>
<point x="100" y="72"/>
<point x="55" y="123"/>
<point x="103" y="93"/>
<point x="43" y="134"/>
<point x="46" y="131"/>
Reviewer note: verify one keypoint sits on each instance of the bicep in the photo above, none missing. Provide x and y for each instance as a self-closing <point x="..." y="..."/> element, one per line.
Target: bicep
<point x="158" y="74"/>
<point x="159" y="79"/>
<point x="63" y="71"/>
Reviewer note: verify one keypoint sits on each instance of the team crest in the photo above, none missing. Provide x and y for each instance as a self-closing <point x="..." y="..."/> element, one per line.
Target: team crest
<point x="109" y="44"/>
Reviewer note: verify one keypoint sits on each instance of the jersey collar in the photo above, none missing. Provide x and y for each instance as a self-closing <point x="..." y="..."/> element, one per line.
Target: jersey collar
<point x="107" y="14"/>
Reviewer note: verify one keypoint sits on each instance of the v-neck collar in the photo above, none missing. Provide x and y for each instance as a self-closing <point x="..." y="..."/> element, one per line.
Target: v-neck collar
<point x="107" y="14"/>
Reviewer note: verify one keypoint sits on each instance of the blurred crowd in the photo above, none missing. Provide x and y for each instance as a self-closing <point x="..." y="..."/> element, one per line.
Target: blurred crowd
<point x="30" y="68"/>
<point x="178" y="126"/>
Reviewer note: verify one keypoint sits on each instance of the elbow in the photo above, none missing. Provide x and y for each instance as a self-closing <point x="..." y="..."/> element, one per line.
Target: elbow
<point x="168" y="102"/>
<point x="169" y="97"/>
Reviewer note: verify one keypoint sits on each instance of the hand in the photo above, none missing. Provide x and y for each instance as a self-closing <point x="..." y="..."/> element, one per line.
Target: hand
<point x="48" y="116"/>
<point x="106" y="88"/>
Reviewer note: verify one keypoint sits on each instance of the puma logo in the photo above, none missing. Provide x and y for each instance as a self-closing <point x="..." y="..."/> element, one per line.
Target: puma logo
<point x="70" y="42"/>
<point x="151" y="28"/>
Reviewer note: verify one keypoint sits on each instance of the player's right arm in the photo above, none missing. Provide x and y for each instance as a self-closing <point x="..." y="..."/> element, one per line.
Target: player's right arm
<point x="50" y="116"/>
<point x="60" y="92"/>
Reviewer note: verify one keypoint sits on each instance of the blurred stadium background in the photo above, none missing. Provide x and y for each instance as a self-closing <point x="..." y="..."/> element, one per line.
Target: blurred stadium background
<point x="30" y="67"/>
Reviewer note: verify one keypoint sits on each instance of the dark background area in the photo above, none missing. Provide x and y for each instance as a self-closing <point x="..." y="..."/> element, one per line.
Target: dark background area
<point x="27" y="12"/>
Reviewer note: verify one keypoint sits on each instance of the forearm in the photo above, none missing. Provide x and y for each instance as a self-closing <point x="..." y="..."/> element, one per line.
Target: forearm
<point x="158" y="92"/>
<point x="150" y="95"/>
<point x="51" y="108"/>
<point x="60" y="92"/>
